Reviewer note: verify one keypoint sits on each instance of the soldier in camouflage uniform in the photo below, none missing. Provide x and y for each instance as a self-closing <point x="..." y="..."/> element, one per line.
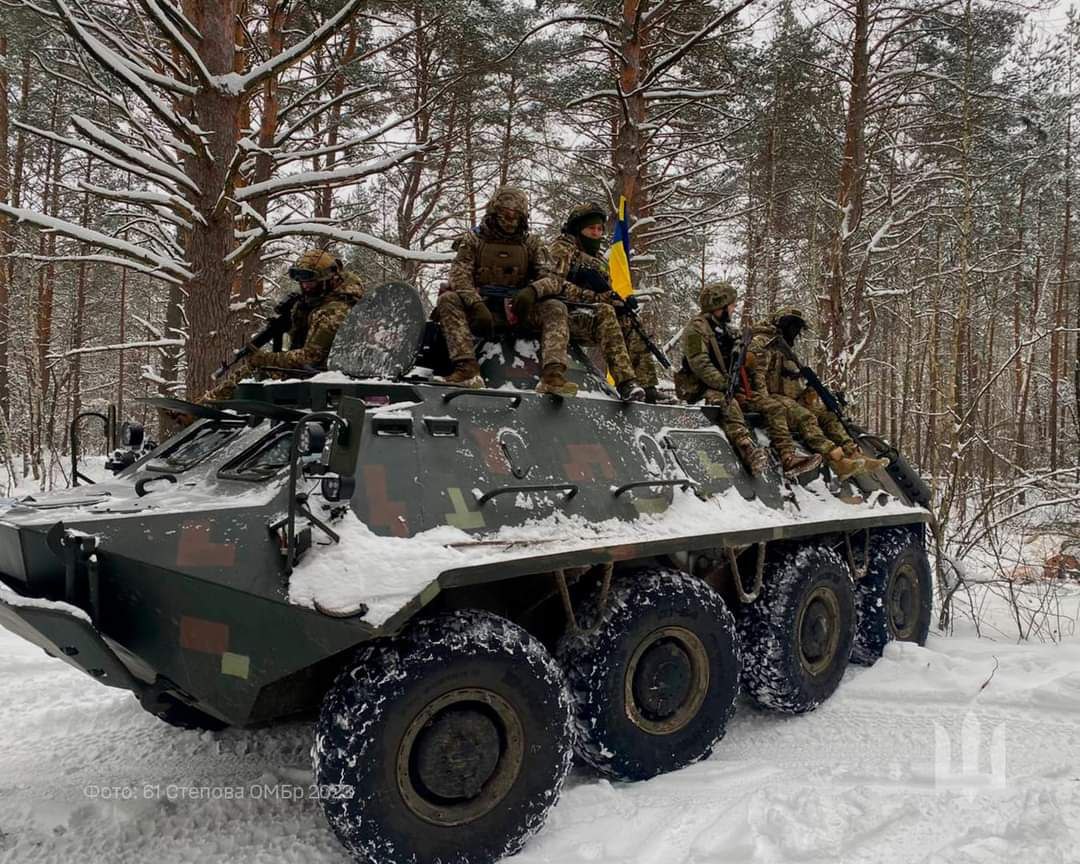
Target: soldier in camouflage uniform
<point x="776" y="378"/>
<point x="708" y="343"/>
<point x="328" y="292"/>
<point x="578" y="247"/>
<point x="499" y="251"/>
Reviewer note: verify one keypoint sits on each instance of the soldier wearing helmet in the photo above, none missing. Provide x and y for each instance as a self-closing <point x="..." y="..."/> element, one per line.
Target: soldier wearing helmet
<point x="776" y="377"/>
<point x="575" y="270"/>
<point x="709" y="342"/>
<point x="328" y="291"/>
<point x="501" y="252"/>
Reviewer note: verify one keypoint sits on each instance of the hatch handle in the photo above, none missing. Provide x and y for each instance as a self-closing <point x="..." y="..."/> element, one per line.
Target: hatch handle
<point x="683" y="483"/>
<point x="570" y="489"/>
<point x="515" y="398"/>
<point x="143" y="482"/>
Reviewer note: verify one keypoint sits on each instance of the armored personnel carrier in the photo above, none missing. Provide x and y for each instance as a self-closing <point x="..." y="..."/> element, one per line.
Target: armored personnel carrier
<point x="465" y="587"/>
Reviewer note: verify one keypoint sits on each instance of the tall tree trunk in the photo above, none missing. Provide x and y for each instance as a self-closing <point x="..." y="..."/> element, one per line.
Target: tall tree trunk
<point x="630" y="142"/>
<point x="848" y="200"/>
<point x="1057" y="338"/>
<point x="5" y="245"/>
<point x="209" y="293"/>
<point x="77" y="330"/>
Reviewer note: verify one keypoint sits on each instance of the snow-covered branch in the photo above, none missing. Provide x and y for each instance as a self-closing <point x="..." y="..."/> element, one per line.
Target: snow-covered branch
<point x="123" y="346"/>
<point x="337" y="177"/>
<point x="119" y="68"/>
<point x="157" y="263"/>
<point x="234" y="83"/>
<point x="254" y="238"/>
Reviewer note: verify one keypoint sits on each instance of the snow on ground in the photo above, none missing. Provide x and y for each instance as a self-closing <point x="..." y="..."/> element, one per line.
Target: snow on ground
<point x="963" y="752"/>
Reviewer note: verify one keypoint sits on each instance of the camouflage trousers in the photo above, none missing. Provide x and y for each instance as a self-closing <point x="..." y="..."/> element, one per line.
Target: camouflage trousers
<point x="732" y="420"/>
<point x="556" y="326"/>
<point x="225" y="388"/>
<point x="454" y="322"/>
<point x="460" y="339"/>
<point x="641" y="357"/>
<point x="596" y="326"/>
<point x="777" y="424"/>
<point x="830" y="424"/>
<point x="804" y="423"/>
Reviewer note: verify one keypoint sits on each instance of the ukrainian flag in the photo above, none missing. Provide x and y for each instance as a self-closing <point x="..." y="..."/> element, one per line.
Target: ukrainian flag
<point x="619" y="255"/>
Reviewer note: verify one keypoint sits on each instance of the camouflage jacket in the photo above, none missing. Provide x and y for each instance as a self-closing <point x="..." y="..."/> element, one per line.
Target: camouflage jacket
<point x="313" y="327"/>
<point x="707" y="352"/>
<point x="470" y="247"/>
<point x="562" y="255"/>
<point x="772" y="371"/>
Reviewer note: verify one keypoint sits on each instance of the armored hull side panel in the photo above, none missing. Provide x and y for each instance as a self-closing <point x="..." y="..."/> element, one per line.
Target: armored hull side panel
<point x="185" y="588"/>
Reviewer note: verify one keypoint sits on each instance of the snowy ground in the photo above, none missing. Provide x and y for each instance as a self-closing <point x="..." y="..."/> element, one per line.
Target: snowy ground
<point x="966" y="751"/>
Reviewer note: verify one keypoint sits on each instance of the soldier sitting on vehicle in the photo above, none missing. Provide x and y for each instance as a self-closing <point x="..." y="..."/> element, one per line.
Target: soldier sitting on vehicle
<point x="776" y="377"/>
<point x="499" y="253"/>
<point x="576" y="257"/>
<point x="327" y="293"/>
<point x="709" y="342"/>
<point x="575" y="275"/>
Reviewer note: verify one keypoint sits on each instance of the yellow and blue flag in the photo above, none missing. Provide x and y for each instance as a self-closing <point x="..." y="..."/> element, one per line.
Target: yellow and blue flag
<point x="619" y="256"/>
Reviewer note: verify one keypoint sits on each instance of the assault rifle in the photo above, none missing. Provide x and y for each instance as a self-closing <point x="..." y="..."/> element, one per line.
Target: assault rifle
<point x="735" y="373"/>
<point x="276" y="326"/>
<point x="598" y="282"/>
<point x="899" y="469"/>
<point x="833" y="402"/>
<point x="505" y="294"/>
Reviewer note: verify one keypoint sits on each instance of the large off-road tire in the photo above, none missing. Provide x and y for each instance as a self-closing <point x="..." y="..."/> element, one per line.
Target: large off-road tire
<point x="894" y="600"/>
<point x="449" y="743"/>
<point x="796" y="637"/>
<point x="653" y="675"/>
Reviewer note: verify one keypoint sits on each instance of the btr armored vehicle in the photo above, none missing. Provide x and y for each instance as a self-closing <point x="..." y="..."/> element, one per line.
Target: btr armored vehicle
<point x="465" y="587"/>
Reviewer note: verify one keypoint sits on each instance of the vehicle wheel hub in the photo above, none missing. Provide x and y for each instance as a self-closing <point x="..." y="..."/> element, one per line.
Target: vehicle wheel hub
<point x="663" y="680"/>
<point x="460" y="756"/>
<point x="456" y="753"/>
<point x="819" y="630"/>
<point x="901" y="602"/>
<point x="666" y="680"/>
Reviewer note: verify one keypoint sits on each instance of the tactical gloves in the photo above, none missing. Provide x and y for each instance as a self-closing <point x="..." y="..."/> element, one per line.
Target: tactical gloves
<point x="523" y="303"/>
<point x="481" y="321"/>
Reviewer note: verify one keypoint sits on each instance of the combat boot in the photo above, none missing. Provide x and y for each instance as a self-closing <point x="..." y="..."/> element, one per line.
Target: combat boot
<point x="630" y="391"/>
<point x="754" y="458"/>
<point x="794" y="464"/>
<point x="553" y="381"/>
<point x="654" y="396"/>
<point x="466" y="374"/>
<point x="845" y="466"/>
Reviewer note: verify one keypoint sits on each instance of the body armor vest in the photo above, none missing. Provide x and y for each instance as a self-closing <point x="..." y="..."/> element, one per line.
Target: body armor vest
<point x="502" y="263"/>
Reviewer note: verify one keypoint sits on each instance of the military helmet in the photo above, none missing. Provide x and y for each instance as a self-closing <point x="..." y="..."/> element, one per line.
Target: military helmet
<point x="789" y="315"/>
<point x="315" y="265"/>
<point x="589" y="213"/>
<point x="512" y="197"/>
<point x="716" y="295"/>
<point x="788" y="312"/>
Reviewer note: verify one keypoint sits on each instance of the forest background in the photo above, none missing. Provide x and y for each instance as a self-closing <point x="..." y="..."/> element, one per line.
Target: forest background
<point x="903" y="170"/>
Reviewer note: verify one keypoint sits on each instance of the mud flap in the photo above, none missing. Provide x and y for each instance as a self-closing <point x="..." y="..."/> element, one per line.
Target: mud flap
<point x="66" y="632"/>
